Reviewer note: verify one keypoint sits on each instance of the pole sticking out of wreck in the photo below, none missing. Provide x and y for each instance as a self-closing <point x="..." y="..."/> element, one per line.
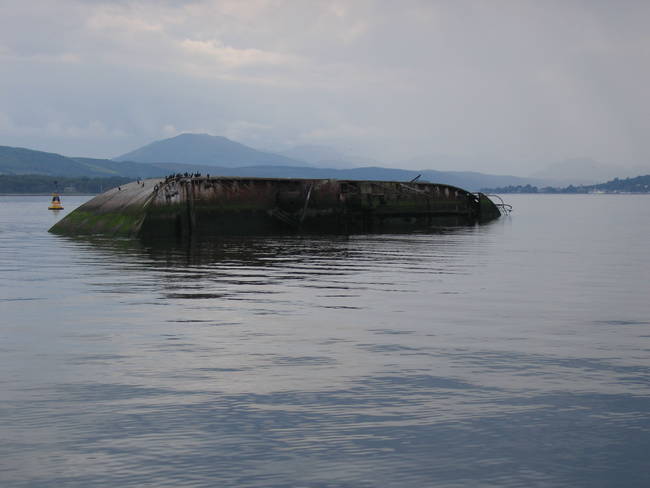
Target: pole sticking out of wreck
<point x="204" y="206"/>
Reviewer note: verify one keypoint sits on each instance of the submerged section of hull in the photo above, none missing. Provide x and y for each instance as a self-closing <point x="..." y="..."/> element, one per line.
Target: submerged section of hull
<point x="213" y="206"/>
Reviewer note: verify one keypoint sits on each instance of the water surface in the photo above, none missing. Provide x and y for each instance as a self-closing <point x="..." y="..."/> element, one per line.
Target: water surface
<point x="510" y="354"/>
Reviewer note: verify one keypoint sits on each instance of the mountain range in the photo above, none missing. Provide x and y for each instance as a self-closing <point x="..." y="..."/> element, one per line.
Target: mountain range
<point x="220" y="156"/>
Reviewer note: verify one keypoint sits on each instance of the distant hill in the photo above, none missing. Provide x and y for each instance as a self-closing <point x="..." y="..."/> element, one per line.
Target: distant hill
<point x="18" y="160"/>
<point x="123" y="168"/>
<point x="21" y="161"/>
<point x="638" y="184"/>
<point x="471" y="180"/>
<point x="206" y="150"/>
<point x="44" y="184"/>
<point x="585" y="171"/>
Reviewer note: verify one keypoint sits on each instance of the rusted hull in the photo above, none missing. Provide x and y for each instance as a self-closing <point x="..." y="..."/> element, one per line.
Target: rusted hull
<point x="218" y="206"/>
<point x="213" y="206"/>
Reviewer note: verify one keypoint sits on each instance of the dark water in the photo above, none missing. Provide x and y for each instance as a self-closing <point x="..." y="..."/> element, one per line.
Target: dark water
<point x="511" y="354"/>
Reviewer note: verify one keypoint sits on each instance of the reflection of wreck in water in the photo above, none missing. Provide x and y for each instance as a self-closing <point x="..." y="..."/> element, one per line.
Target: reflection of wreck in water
<point x="213" y="206"/>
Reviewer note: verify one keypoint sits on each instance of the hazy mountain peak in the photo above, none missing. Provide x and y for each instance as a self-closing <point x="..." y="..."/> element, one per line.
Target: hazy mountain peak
<point x="205" y="149"/>
<point x="190" y="136"/>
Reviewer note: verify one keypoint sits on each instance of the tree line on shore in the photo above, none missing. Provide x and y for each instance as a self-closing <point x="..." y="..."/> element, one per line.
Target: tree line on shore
<point x="40" y="184"/>
<point x="638" y="184"/>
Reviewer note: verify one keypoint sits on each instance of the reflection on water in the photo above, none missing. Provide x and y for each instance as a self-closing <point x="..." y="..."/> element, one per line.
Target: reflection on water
<point x="511" y="354"/>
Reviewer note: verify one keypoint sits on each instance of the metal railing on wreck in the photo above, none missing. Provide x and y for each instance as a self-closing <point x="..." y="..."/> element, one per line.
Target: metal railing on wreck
<point x="504" y="208"/>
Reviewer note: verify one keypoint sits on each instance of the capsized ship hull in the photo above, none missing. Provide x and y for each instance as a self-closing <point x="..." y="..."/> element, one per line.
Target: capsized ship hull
<point x="212" y="206"/>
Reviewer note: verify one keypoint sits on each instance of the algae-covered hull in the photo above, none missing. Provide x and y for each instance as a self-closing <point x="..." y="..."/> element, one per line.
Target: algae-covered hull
<point x="212" y="206"/>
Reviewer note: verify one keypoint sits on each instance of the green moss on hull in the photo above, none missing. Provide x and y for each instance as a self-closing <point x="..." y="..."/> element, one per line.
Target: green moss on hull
<point x="116" y="212"/>
<point x="88" y="222"/>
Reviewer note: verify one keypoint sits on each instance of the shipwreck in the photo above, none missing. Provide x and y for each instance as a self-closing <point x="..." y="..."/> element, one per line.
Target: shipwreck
<point x="208" y="206"/>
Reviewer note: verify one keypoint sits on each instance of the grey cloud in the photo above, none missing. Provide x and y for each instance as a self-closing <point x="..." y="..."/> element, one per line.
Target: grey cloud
<point x="502" y="85"/>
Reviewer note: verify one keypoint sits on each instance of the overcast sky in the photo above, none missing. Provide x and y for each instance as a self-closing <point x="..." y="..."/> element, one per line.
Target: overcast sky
<point x="499" y="86"/>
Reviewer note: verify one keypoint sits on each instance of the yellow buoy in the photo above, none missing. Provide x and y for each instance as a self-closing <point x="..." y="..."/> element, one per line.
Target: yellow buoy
<point x="56" y="202"/>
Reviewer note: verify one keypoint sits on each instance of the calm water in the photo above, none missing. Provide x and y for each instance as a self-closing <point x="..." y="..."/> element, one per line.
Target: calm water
<point x="511" y="354"/>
